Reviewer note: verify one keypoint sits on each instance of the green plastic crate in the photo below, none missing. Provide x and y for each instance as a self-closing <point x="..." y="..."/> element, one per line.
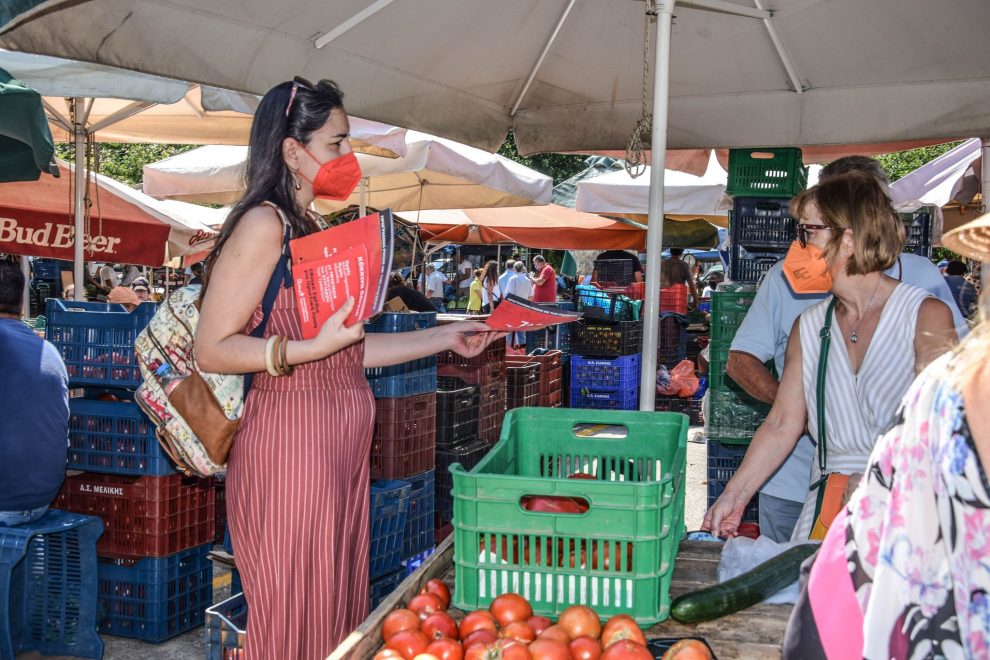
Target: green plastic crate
<point x="635" y="514"/>
<point x="733" y="416"/>
<point x="728" y="311"/>
<point x="766" y="172"/>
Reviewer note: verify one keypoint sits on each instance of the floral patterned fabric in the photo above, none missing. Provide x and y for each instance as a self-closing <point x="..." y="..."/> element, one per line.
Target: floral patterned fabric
<point x="917" y="534"/>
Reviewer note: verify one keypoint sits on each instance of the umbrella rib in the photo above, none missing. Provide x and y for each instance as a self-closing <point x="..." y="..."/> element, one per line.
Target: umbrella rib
<point x="351" y="22"/>
<point x="542" y="57"/>
<point x="57" y="117"/>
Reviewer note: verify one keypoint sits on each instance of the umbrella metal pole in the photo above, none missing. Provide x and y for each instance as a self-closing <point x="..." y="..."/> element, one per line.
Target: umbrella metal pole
<point x="26" y="270"/>
<point x="654" y="231"/>
<point x="79" y="204"/>
<point x="363" y="197"/>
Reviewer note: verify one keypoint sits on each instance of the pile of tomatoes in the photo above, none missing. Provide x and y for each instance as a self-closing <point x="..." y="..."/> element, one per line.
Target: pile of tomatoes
<point x="508" y="630"/>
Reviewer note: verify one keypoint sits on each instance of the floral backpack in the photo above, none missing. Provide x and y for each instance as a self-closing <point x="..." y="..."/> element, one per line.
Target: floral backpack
<point x="195" y="413"/>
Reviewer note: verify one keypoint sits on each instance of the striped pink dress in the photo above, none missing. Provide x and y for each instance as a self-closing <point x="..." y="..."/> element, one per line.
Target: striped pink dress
<point x="298" y="496"/>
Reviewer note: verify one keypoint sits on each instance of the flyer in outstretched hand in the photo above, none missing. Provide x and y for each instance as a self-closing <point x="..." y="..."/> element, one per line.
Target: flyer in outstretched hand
<point x="517" y="314"/>
<point x="352" y="259"/>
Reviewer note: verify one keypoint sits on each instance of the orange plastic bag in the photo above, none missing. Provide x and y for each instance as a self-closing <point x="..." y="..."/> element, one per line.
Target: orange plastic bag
<point x="683" y="381"/>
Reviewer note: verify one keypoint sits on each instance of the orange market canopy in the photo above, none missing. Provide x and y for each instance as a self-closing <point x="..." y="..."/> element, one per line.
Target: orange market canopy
<point x="549" y="227"/>
<point x="124" y="225"/>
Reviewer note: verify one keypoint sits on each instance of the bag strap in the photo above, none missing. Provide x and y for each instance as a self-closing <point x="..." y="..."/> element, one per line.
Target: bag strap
<point x="826" y="342"/>
<point x="281" y="275"/>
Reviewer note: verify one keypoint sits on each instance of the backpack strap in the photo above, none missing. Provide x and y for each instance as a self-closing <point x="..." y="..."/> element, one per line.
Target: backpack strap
<point x="281" y="275"/>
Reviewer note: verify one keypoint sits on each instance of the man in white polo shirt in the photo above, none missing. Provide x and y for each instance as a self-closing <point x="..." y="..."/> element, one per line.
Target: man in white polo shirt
<point x="763" y="335"/>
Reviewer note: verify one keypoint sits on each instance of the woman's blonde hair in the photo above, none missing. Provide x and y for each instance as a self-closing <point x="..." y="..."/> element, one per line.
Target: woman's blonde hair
<point x="855" y="201"/>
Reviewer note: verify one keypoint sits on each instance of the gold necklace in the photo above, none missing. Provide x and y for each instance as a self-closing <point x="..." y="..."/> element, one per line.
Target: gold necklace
<point x="854" y="337"/>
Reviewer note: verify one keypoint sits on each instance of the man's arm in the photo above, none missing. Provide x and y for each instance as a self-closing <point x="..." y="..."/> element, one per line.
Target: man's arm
<point x="752" y="376"/>
<point x="756" y="342"/>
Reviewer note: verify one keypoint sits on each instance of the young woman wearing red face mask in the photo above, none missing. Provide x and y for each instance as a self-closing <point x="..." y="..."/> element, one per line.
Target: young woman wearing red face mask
<point x="298" y="473"/>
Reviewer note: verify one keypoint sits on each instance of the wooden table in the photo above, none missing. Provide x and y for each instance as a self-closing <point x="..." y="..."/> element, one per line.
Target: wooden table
<point x="753" y="633"/>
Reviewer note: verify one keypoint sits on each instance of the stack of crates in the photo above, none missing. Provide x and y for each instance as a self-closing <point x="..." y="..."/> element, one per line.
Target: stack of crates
<point x="550" y="365"/>
<point x="617" y="555"/>
<point x="761" y="229"/>
<point x="154" y="577"/>
<point x="733" y="416"/>
<point x="487" y="371"/>
<point x="403" y="445"/>
<point x="605" y="359"/>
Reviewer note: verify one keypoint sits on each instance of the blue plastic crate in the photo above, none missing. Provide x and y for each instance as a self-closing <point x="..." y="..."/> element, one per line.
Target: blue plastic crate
<point x="226" y="628"/>
<point x="723" y="461"/>
<point x="379" y="589"/>
<point x="410" y="383"/>
<point x="409" y="566"/>
<point x="155" y="599"/>
<point x="401" y="322"/>
<point x="605" y="374"/>
<point x="419" y="521"/>
<point x="617" y="400"/>
<point x="389" y="508"/>
<point x="115" y="438"/>
<point x="422" y="364"/>
<point x="96" y="340"/>
<point x="48" y="575"/>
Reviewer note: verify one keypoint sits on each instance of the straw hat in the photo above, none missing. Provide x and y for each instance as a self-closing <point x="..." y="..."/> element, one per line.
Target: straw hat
<point x="971" y="240"/>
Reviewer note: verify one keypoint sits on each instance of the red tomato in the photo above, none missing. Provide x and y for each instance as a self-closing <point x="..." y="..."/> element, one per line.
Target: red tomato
<point x="426" y="656"/>
<point x="580" y="621"/>
<point x="483" y="637"/>
<point x="549" y="649"/>
<point x="621" y="627"/>
<point x="626" y="650"/>
<point x="388" y="654"/>
<point x="477" y="620"/>
<point x="556" y="632"/>
<point x="510" y="607"/>
<point x="425" y="604"/>
<point x="688" y="649"/>
<point x="439" y="589"/>
<point x="398" y="620"/>
<point x="409" y="643"/>
<point x="585" y="648"/>
<point x="539" y="624"/>
<point x="553" y="504"/>
<point x="749" y="530"/>
<point x="519" y="631"/>
<point x="503" y="649"/>
<point x="439" y="625"/>
<point x="582" y="475"/>
<point x="446" y="649"/>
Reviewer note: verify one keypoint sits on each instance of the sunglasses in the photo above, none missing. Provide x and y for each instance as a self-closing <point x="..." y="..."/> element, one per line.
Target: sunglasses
<point x="803" y="232"/>
<point x="297" y="82"/>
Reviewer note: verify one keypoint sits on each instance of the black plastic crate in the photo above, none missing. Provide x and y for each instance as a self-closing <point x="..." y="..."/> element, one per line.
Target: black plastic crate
<point x="762" y="223"/>
<point x="689" y="407"/>
<point x="750" y="265"/>
<point x="599" y="339"/>
<point x="468" y="453"/>
<point x="457" y="412"/>
<point x="617" y="271"/>
<point x="918" y="231"/>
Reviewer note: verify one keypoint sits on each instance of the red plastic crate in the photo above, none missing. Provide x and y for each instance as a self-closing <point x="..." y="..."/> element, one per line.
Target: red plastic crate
<point x="488" y="367"/>
<point x="404" y="439"/>
<point x="553" y="399"/>
<point x="551" y="368"/>
<point x="144" y="516"/>
<point x="491" y="400"/>
<point x="674" y="299"/>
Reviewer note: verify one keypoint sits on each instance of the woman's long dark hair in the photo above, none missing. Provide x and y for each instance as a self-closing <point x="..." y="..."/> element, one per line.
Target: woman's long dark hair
<point x="268" y="178"/>
<point x="491" y="272"/>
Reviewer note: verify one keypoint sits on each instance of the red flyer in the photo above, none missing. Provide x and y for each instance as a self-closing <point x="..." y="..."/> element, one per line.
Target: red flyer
<point x="352" y="259"/>
<point x="517" y="314"/>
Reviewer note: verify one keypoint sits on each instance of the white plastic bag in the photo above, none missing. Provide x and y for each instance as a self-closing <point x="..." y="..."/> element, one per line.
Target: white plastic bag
<point x="741" y="554"/>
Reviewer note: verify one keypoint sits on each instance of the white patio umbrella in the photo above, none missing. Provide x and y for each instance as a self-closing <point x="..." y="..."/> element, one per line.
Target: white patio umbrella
<point x="88" y="101"/>
<point x="568" y="76"/>
<point x="434" y="173"/>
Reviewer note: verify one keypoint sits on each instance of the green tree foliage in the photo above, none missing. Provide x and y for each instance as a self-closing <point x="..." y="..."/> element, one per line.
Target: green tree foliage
<point x="899" y="163"/>
<point x="559" y="166"/>
<point x="125" y="162"/>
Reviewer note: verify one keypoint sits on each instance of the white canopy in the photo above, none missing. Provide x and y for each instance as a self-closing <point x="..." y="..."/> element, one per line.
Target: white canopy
<point x="952" y="177"/>
<point x="434" y="173"/>
<point x="566" y="76"/>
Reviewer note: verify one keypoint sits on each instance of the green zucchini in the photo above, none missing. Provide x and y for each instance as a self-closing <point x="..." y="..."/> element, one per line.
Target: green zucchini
<point x="742" y="591"/>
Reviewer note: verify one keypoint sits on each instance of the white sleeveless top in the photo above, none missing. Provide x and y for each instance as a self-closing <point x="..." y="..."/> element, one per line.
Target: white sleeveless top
<point x="861" y="407"/>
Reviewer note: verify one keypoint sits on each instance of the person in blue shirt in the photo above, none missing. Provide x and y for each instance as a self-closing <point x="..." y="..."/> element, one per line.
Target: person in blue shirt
<point x="34" y="410"/>
<point x="763" y="335"/>
<point x="963" y="292"/>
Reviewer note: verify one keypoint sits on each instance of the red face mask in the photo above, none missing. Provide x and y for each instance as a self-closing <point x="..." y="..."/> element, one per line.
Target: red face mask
<point x="337" y="178"/>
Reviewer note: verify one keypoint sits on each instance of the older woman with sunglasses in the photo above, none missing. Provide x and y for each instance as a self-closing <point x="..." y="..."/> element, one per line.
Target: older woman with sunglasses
<point x="879" y="333"/>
